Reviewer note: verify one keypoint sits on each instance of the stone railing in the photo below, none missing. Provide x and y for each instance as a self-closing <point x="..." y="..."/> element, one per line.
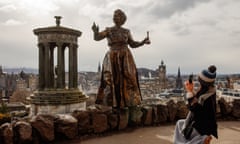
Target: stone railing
<point x="49" y="128"/>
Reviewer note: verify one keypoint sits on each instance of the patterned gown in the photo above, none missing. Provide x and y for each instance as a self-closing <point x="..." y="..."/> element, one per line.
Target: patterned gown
<point x="119" y="80"/>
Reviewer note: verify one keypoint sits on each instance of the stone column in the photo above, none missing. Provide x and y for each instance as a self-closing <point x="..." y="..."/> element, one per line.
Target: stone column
<point x="75" y="66"/>
<point x="51" y="67"/>
<point x="47" y="64"/>
<point x="41" y="70"/>
<point x="73" y="73"/>
<point x="61" y="66"/>
<point x="71" y="66"/>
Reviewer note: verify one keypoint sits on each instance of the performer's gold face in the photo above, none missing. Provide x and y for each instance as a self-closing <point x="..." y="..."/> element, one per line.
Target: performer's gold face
<point x="117" y="19"/>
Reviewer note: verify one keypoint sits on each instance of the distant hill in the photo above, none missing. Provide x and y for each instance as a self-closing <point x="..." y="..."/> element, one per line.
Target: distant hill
<point x="141" y="71"/>
<point x="145" y="72"/>
<point x="18" y="70"/>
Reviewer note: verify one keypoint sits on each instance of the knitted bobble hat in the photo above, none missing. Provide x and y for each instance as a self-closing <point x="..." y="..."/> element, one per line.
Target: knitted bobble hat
<point x="208" y="75"/>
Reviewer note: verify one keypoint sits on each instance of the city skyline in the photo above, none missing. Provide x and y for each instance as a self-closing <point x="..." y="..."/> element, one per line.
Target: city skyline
<point x="186" y="34"/>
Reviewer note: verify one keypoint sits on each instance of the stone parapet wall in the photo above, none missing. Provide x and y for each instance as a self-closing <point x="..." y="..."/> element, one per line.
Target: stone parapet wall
<point x="97" y="120"/>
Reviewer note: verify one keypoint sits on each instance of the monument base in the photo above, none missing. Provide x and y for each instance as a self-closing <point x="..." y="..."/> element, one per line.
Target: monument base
<point x="57" y="101"/>
<point x="56" y="109"/>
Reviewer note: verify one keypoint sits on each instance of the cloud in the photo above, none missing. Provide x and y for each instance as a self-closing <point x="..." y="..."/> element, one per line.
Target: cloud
<point x="28" y="7"/>
<point x="13" y="22"/>
<point x="37" y="8"/>
<point x="166" y="9"/>
<point x="186" y="33"/>
<point x="8" y="8"/>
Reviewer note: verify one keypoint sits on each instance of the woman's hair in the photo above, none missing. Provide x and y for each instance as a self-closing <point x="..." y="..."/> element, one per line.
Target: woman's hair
<point x="121" y="14"/>
<point x="203" y="88"/>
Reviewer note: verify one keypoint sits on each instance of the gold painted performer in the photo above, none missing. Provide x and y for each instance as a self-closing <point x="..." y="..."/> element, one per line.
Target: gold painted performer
<point x="119" y="86"/>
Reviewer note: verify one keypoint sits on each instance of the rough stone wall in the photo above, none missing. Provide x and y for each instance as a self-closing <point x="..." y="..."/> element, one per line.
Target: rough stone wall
<point x="96" y="120"/>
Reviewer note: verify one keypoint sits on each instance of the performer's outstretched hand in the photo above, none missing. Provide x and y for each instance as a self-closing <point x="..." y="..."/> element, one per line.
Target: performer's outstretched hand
<point x="95" y="28"/>
<point x="146" y="40"/>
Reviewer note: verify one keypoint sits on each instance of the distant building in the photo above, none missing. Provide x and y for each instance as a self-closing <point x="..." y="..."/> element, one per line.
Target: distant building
<point x="2" y="79"/>
<point x="7" y="83"/>
<point x="26" y="82"/>
<point x="1" y="94"/>
<point x="99" y="72"/>
<point x="99" y="68"/>
<point x="1" y="71"/>
<point x="222" y="83"/>
<point x="152" y="86"/>
<point x="229" y="83"/>
<point x="149" y="86"/>
<point x="21" y="84"/>
<point x="16" y="82"/>
<point x="33" y="82"/>
<point x="179" y="82"/>
<point x="236" y="86"/>
<point x="162" y="76"/>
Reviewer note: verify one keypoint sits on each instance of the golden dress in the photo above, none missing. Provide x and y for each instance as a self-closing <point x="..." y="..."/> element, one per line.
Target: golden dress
<point x="119" y="79"/>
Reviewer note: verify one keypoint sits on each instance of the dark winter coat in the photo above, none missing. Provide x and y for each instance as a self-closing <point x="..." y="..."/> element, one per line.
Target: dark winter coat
<point x="205" y="116"/>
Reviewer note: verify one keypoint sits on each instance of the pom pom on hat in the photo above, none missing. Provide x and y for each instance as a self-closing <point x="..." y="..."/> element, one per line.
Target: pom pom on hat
<point x="208" y="75"/>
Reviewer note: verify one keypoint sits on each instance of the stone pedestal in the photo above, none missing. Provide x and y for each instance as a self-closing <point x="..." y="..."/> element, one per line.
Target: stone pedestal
<point x="57" y="102"/>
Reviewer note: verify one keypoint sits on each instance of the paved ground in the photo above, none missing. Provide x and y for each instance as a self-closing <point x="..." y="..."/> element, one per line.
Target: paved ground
<point x="229" y="133"/>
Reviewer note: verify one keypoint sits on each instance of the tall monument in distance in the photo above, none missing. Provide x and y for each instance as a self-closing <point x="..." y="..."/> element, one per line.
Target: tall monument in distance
<point x="162" y="76"/>
<point x="53" y="95"/>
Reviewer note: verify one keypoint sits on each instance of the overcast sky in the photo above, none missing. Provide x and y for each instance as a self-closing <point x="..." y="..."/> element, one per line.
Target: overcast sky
<point x="190" y="34"/>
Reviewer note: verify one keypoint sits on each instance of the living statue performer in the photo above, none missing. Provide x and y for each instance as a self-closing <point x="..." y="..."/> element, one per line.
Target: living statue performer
<point x="119" y="86"/>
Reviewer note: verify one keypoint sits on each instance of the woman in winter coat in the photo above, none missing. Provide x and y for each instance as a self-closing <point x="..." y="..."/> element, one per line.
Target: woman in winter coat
<point x="202" y="114"/>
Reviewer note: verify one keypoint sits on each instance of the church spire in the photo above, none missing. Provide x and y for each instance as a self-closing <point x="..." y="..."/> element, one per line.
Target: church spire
<point x="99" y="67"/>
<point x="179" y="73"/>
<point x="1" y="71"/>
<point x="179" y="82"/>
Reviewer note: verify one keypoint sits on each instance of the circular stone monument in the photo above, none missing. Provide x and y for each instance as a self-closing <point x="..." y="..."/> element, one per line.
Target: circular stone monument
<point x="54" y="96"/>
